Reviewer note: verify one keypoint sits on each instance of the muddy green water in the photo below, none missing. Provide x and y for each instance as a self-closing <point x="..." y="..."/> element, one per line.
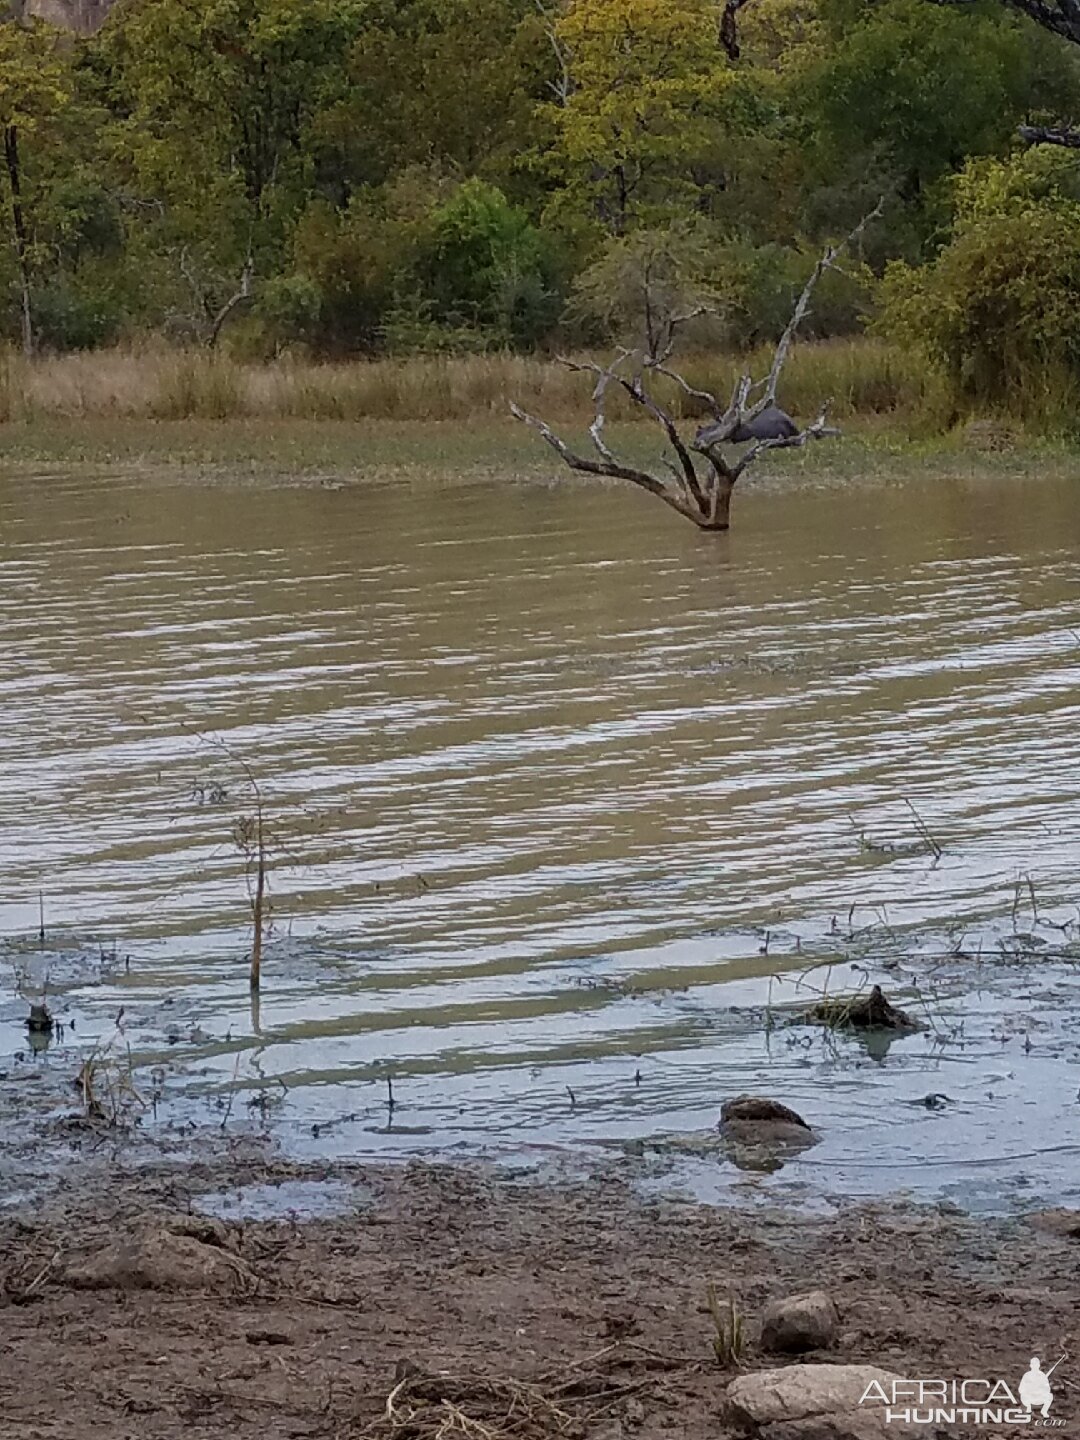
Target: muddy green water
<point x="555" y="786"/>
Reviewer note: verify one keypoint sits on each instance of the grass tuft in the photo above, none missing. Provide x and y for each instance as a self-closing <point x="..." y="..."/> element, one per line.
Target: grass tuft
<point x="729" y="1335"/>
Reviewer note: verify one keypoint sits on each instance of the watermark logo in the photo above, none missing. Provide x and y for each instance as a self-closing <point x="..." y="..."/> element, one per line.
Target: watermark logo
<point x="1035" y="1390"/>
<point x="969" y="1402"/>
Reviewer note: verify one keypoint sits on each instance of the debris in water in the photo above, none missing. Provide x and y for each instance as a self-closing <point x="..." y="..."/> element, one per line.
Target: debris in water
<point x="933" y="1101"/>
<point x="859" y="1012"/>
<point x="40" y="1020"/>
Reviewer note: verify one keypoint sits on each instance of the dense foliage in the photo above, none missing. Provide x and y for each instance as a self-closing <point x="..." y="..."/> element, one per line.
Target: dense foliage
<point x="365" y="176"/>
<point x="998" y="307"/>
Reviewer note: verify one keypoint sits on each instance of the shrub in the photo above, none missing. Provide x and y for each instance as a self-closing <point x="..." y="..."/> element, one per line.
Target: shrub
<point x="482" y="262"/>
<point x="999" y="309"/>
<point x="74" y="313"/>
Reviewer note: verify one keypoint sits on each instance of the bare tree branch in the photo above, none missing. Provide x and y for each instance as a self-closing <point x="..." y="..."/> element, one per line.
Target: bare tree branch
<point x="1061" y="17"/>
<point x="241" y="297"/>
<point x="596" y="429"/>
<point x="613" y="468"/>
<point x="562" y="87"/>
<point x="670" y="327"/>
<point x="211" y="320"/>
<point x="198" y="290"/>
<point x="802" y="305"/>
<point x="640" y="396"/>
<point x="740" y="411"/>
<point x="702" y="490"/>
<point x="706" y="397"/>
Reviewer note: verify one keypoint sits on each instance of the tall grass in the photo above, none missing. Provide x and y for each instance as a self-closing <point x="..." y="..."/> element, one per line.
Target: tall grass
<point x="860" y="377"/>
<point x="10" y="386"/>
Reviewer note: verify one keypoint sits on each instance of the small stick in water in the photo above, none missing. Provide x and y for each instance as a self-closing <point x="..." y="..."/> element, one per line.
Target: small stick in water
<point x="924" y="831"/>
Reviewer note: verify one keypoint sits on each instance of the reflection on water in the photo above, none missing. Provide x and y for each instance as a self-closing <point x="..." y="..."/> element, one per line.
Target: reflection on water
<point x="543" y="768"/>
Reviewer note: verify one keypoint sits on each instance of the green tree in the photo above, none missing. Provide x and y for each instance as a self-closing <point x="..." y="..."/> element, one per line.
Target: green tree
<point x="1062" y="22"/>
<point x="217" y="105"/>
<point x="999" y="309"/>
<point x="905" y="91"/>
<point x="343" y="273"/>
<point x="449" y="83"/>
<point x="646" y="102"/>
<point x="34" y="85"/>
<point x="421" y="263"/>
<point x="641" y="283"/>
<point x="482" y="262"/>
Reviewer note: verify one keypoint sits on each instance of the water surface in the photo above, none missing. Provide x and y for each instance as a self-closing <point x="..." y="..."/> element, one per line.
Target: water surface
<point x="554" y="784"/>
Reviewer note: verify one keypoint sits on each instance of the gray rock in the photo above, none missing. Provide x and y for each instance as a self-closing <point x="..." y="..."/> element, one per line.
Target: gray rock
<point x="798" y="1323"/>
<point x="754" y="1120"/>
<point x="160" y="1260"/>
<point x="813" y="1402"/>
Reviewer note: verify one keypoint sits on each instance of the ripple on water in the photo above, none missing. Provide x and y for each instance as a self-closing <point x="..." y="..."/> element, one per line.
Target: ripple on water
<point x="543" y="769"/>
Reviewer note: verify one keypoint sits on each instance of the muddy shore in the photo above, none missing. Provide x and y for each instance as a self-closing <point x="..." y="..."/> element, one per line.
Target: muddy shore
<point x="126" y="1312"/>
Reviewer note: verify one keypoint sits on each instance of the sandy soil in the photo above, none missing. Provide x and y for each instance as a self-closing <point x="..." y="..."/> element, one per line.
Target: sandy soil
<point x="583" y="1291"/>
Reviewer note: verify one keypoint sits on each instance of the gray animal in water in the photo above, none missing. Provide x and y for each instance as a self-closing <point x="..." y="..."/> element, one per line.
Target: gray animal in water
<point x="772" y="424"/>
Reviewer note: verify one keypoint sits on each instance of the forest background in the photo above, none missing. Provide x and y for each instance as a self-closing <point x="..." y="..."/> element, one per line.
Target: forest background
<point x="324" y="181"/>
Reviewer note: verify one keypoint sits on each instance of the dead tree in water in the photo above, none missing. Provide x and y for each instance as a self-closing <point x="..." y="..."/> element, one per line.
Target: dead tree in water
<point x="700" y="491"/>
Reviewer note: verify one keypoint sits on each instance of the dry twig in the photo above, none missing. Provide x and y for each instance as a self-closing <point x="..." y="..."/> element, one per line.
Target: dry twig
<point x="432" y="1405"/>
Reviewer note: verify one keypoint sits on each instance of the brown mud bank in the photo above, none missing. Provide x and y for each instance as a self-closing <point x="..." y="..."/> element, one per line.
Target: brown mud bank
<point x="452" y="1300"/>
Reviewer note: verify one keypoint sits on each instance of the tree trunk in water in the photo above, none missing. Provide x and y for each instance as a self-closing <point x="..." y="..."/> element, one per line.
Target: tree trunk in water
<point x="719" y="516"/>
<point x="18" y="225"/>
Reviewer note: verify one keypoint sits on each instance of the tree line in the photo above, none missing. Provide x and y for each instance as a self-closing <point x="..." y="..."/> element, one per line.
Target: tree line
<point x="362" y="177"/>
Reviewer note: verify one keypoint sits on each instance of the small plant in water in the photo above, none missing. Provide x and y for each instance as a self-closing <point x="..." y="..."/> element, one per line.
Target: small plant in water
<point x="249" y="837"/>
<point x="729" y="1339"/>
<point x="110" y="1096"/>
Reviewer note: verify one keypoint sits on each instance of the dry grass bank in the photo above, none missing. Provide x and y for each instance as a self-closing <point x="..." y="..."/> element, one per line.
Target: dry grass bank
<point x="860" y="377"/>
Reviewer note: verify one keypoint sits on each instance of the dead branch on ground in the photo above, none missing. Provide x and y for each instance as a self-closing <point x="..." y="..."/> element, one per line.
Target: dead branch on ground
<point x="430" y="1405"/>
